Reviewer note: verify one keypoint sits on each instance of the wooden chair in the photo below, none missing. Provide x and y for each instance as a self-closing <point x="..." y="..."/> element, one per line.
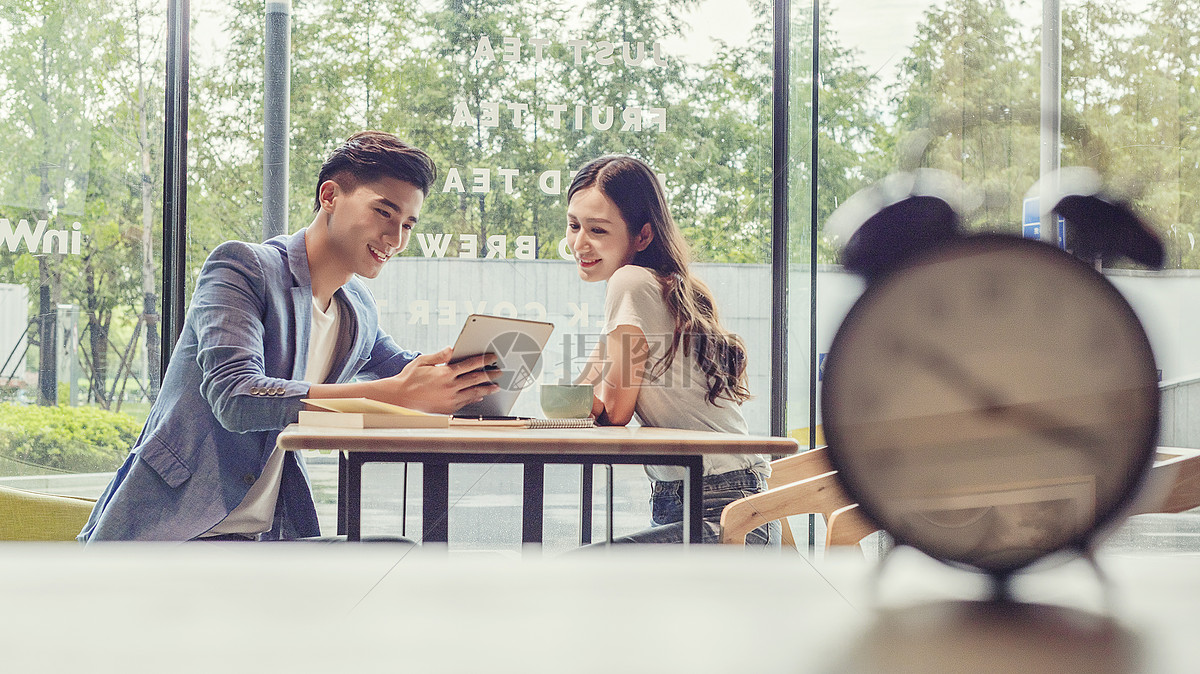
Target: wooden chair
<point x="805" y="483"/>
<point x="34" y="516"/>
<point x="800" y="484"/>
<point x="1173" y="484"/>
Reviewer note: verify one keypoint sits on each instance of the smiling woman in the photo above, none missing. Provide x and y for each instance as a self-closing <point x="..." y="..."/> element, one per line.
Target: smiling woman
<point x="664" y="356"/>
<point x="600" y="239"/>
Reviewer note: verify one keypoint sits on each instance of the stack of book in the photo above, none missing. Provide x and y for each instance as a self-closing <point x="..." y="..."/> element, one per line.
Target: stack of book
<point x="367" y="413"/>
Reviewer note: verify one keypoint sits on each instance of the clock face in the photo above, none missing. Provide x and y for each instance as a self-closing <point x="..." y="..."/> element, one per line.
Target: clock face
<point x="991" y="401"/>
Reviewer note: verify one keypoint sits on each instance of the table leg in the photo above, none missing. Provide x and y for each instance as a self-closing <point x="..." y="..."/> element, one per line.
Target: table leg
<point x="404" y="503"/>
<point x="693" y="499"/>
<point x="435" y="510"/>
<point x="608" y="504"/>
<point x="354" y="498"/>
<point x="341" y="507"/>
<point x="585" y="503"/>
<point x="534" y="493"/>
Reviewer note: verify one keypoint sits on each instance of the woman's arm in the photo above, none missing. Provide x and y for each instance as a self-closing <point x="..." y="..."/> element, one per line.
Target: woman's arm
<point x="592" y="371"/>
<point x="616" y="370"/>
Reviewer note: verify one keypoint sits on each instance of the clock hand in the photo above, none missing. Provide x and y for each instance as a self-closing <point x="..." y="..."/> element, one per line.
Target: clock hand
<point x="991" y="403"/>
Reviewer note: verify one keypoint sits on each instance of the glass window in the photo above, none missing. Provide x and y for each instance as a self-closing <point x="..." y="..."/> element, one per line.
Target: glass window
<point x="956" y="86"/>
<point x="81" y="107"/>
<point x="510" y="99"/>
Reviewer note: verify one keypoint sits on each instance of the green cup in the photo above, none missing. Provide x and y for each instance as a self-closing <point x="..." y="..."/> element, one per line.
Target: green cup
<point x="566" y="401"/>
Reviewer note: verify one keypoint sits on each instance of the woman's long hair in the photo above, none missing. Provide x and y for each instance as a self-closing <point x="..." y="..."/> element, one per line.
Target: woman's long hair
<point x="637" y="193"/>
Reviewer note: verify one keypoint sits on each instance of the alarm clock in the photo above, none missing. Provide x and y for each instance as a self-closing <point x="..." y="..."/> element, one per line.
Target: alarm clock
<point x="989" y="400"/>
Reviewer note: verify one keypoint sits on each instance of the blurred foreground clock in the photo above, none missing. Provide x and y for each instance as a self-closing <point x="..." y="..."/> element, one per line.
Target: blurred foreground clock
<point x="989" y="400"/>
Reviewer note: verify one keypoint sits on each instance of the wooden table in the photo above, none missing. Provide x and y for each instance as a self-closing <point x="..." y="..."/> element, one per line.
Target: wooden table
<point x="437" y="448"/>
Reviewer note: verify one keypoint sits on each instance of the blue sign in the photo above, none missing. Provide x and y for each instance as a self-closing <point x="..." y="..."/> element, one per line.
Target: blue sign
<point x="1031" y="223"/>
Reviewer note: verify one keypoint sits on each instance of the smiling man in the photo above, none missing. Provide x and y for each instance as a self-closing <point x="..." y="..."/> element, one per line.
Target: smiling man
<point x="270" y="324"/>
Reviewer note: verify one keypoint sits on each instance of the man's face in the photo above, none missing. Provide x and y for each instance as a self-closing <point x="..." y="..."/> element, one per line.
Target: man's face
<point x="370" y="223"/>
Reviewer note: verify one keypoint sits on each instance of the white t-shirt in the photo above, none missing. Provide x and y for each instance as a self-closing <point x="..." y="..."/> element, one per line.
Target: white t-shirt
<point x="677" y="398"/>
<point x="256" y="513"/>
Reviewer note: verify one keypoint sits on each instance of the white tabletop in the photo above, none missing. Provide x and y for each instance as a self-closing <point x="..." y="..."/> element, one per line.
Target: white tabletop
<point x="309" y="608"/>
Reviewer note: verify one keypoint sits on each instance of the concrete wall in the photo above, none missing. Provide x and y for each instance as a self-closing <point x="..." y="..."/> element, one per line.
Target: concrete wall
<point x="425" y="300"/>
<point x="423" y="303"/>
<point x="1180" y="425"/>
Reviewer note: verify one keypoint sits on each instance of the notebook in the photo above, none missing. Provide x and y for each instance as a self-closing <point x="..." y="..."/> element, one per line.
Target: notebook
<point x="521" y="422"/>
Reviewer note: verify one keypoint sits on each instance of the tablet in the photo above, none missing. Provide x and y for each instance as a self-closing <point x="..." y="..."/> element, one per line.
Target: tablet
<point x="518" y="347"/>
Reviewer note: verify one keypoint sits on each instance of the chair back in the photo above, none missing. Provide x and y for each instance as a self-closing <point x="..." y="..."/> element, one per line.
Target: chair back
<point x="806" y="483"/>
<point x="1173" y="485"/>
<point x="34" y="516"/>
<point x="803" y="483"/>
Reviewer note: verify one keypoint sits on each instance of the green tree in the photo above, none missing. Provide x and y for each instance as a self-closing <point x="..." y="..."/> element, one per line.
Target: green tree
<point x="1096" y="44"/>
<point x="721" y="198"/>
<point x="132" y="148"/>
<point x="1162" y="102"/>
<point x="51" y="79"/>
<point x="967" y="102"/>
<point x="852" y="142"/>
<point x="354" y="65"/>
<point x="496" y="77"/>
<point x="225" y="133"/>
<point x="104" y="279"/>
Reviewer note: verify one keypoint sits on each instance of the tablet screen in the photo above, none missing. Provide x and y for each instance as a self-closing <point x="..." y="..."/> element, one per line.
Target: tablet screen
<point x="518" y="346"/>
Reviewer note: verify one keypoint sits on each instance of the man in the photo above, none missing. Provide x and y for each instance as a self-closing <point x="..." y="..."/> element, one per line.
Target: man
<point x="270" y="324"/>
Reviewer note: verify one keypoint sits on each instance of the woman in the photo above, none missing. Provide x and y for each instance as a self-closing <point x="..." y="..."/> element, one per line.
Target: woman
<point x="664" y="355"/>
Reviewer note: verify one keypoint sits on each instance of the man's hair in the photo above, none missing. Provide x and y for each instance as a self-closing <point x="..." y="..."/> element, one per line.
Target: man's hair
<point x="368" y="156"/>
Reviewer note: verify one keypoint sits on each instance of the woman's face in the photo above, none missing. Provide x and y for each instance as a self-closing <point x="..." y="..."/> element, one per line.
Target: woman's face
<point x="599" y="237"/>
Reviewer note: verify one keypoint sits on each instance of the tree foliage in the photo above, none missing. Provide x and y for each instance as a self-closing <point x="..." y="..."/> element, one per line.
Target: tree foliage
<point x="82" y="104"/>
<point x="967" y="103"/>
<point x="84" y="440"/>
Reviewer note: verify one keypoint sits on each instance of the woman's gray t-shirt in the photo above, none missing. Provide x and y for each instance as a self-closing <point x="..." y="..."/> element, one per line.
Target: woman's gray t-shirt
<point x="678" y="396"/>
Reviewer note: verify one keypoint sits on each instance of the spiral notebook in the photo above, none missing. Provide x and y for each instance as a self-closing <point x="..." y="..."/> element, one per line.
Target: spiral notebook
<point x="520" y="422"/>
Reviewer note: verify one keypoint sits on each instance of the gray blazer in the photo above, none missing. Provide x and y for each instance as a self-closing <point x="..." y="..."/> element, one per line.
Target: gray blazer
<point x="232" y="384"/>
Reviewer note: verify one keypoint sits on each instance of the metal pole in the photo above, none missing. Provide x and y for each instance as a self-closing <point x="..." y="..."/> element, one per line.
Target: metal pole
<point x="175" y="178"/>
<point x="814" y="122"/>
<point x="779" y="229"/>
<point x="276" y="106"/>
<point x="47" y="336"/>
<point x="1051" y="114"/>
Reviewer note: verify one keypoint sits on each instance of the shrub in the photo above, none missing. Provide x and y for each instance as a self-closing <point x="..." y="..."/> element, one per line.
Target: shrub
<point x="74" y="439"/>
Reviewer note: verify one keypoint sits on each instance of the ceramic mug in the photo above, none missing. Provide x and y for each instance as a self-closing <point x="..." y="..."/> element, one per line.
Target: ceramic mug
<point x="566" y="401"/>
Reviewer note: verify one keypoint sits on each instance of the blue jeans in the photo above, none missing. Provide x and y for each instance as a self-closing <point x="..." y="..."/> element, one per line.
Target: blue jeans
<point x="666" y="509"/>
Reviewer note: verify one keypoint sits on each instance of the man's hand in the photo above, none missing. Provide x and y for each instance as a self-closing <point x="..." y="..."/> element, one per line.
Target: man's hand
<point x="431" y="383"/>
